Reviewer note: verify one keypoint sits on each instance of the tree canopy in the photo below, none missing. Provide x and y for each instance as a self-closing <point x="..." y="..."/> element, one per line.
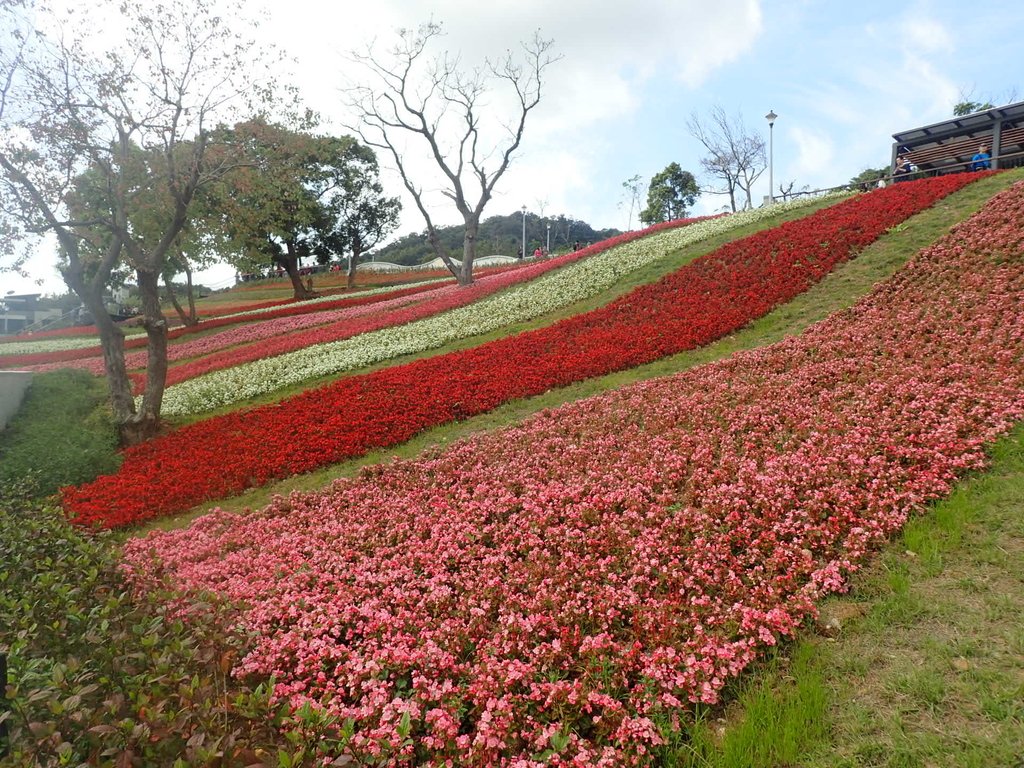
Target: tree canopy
<point x="671" y="194"/>
<point x="299" y="195"/>
<point x="868" y="178"/>
<point x="98" y="136"/>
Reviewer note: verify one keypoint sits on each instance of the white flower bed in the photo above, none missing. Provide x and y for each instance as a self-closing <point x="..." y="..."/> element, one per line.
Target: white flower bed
<point x="521" y="303"/>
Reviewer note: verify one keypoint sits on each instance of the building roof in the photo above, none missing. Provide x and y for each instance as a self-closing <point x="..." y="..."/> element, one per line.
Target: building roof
<point x="974" y="124"/>
<point x="949" y="144"/>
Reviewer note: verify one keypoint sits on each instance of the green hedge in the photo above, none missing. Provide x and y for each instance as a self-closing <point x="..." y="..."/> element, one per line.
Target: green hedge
<point x="100" y="677"/>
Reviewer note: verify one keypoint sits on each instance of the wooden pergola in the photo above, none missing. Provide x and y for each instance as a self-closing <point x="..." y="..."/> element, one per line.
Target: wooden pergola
<point x="947" y="147"/>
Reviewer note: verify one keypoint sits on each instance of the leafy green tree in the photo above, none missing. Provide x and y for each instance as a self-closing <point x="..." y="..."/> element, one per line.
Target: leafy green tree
<point x="268" y="209"/>
<point x="139" y="117"/>
<point x="670" y="195"/>
<point x="967" y="107"/>
<point x="299" y="195"/>
<point x="361" y="213"/>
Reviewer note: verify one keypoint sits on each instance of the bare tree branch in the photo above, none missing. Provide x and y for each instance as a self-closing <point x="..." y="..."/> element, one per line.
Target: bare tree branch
<point x="435" y="102"/>
<point x="735" y="159"/>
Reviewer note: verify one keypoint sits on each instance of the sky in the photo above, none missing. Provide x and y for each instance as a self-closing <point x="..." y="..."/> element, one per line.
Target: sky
<point x="842" y="78"/>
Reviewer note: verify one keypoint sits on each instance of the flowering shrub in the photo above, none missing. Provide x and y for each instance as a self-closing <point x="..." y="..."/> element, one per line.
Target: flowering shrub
<point x="564" y="587"/>
<point x="468" y="317"/>
<point x="702" y="301"/>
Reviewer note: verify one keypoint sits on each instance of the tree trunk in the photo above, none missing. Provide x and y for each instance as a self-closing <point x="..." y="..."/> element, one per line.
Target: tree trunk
<point x="187" y="318"/>
<point x="357" y="251"/>
<point x="191" y="294"/>
<point x="290" y="262"/>
<point x="439" y="250"/>
<point x="145" y="422"/>
<point x="122" y="402"/>
<point x="465" y="276"/>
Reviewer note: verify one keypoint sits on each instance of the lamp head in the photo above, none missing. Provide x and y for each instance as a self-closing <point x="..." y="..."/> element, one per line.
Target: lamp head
<point x="770" y="117"/>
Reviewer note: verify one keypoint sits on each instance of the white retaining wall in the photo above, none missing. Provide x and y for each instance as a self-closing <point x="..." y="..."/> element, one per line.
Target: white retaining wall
<point x="13" y="385"/>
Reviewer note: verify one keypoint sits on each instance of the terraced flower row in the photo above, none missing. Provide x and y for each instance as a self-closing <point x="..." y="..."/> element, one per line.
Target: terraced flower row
<point x="261" y="343"/>
<point x="46" y="348"/>
<point x="278" y="328"/>
<point x="46" y="352"/>
<point x="243" y="376"/>
<point x="704" y="300"/>
<point x="287" y="335"/>
<point x="567" y="586"/>
<point x="42" y="354"/>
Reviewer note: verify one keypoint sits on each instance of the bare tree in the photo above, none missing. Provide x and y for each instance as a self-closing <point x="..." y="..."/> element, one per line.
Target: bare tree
<point x="735" y="157"/>
<point x="95" y="142"/>
<point x="411" y="94"/>
<point x="633" y="189"/>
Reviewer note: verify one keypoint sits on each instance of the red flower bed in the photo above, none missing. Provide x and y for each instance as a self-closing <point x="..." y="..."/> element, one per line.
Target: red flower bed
<point x="702" y="301"/>
<point x="571" y="585"/>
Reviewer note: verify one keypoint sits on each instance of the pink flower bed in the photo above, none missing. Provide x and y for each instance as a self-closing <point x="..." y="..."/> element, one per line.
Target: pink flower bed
<point x="572" y="583"/>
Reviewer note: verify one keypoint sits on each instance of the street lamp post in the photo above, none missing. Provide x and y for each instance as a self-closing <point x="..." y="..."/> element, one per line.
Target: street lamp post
<point x="549" y="239"/>
<point x="770" y="117"/>
<point x="524" y="232"/>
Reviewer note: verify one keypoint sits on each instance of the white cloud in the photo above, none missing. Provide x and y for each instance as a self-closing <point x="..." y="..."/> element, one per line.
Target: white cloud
<point x="610" y="52"/>
<point x="927" y="35"/>
<point x="815" y="158"/>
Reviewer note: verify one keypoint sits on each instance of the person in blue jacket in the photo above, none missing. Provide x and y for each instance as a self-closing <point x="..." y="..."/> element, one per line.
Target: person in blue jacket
<point x="981" y="161"/>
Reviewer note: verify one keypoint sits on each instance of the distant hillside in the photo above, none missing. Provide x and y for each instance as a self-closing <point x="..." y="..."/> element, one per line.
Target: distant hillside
<point x="498" y="235"/>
